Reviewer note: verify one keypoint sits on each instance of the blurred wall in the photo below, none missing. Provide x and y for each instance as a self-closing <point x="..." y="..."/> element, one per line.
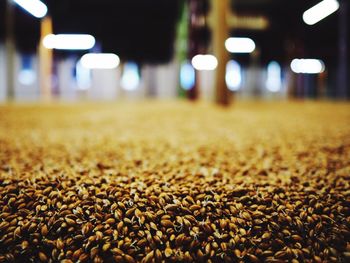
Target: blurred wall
<point x="104" y="84"/>
<point x="167" y="80"/>
<point x="2" y="73"/>
<point x="206" y="80"/>
<point x="67" y="86"/>
<point x="26" y="91"/>
<point x="160" y="81"/>
<point x="157" y="81"/>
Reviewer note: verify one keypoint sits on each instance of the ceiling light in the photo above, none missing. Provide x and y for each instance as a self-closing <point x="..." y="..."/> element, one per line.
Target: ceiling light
<point x="239" y="45"/>
<point x="204" y="62"/>
<point x="307" y="66"/>
<point x="69" y="41"/>
<point x="100" y="61"/>
<point x="34" y="7"/>
<point x="320" y="11"/>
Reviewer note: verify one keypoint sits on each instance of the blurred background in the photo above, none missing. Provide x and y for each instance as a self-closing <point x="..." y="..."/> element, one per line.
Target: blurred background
<point x="196" y="49"/>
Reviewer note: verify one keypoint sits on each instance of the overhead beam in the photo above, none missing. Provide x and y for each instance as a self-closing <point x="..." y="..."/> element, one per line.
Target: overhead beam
<point x="248" y="22"/>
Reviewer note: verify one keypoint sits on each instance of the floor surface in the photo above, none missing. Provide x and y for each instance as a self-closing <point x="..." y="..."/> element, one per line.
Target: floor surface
<point x="175" y="181"/>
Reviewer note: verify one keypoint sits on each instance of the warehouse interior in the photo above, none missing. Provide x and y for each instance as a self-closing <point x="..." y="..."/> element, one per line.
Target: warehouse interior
<point x="153" y="45"/>
<point x="174" y="131"/>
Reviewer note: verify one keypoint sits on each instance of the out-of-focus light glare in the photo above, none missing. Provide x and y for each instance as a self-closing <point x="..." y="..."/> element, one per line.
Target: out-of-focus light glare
<point x="100" y="61"/>
<point x="233" y="75"/>
<point x="320" y="11"/>
<point x="240" y="45"/>
<point x="273" y="81"/>
<point x="307" y="66"/>
<point x="34" y="7"/>
<point x="187" y="76"/>
<point x="131" y="78"/>
<point x="204" y="62"/>
<point x="26" y="77"/>
<point x="69" y="41"/>
<point x="249" y="22"/>
<point x="83" y="76"/>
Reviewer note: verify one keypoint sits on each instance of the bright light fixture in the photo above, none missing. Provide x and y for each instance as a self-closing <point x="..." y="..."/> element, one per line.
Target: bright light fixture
<point x="26" y="77"/>
<point x="273" y="81"/>
<point x="320" y="11"/>
<point x="69" y="41"/>
<point x="307" y="66"/>
<point x="100" y="61"/>
<point x="233" y="75"/>
<point x="83" y="76"/>
<point x="34" y="7"/>
<point x="130" y="79"/>
<point x="187" y="76"/>
<point x="239" y="45"/>
<point x="204" y="62"/>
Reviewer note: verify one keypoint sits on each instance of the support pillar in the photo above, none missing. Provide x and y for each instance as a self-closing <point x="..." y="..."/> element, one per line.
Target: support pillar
<point x="342" y="89"/>
<point x="193" y="42"/>
<point x="10" y="50"/>
<point x="45" y="61"/>
<point x="220" y="32"/>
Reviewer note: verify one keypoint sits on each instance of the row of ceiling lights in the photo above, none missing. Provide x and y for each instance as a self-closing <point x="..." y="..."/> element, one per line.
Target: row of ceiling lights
<point x="304" y="66"/>
<point x="310" y="16"/>
<point x="199" y="62"/>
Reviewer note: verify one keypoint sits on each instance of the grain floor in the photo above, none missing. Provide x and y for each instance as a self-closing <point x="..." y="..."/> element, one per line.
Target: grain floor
<point x="175" y="182"/>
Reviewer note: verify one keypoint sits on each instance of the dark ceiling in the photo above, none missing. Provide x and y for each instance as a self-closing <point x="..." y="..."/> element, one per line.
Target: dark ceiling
<point x="288" y="35"/>
<point x="135" y="30"/>
<point x="144" y="30"/>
